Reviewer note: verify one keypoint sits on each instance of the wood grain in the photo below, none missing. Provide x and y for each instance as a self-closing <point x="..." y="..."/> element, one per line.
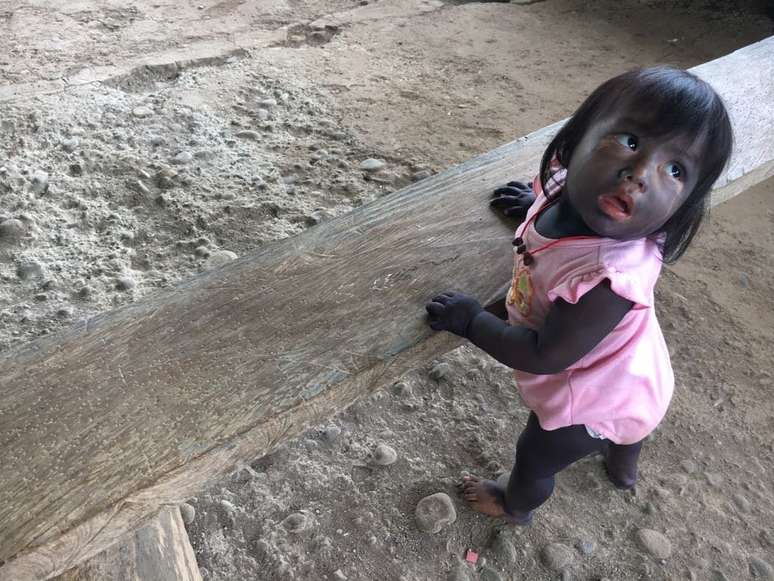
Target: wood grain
<point x="144" y="406"/>
<point x="158" y="551"/>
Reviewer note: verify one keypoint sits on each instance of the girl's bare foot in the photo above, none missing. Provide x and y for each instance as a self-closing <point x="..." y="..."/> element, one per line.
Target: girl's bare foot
<point x="488" y="497"/>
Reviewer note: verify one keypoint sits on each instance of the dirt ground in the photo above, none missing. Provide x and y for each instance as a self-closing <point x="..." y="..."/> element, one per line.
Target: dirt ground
<point x="144" y="142"/>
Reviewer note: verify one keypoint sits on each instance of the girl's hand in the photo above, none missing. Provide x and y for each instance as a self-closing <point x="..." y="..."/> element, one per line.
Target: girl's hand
<point x="453" y="312"/>
<point x="513" y="199"/>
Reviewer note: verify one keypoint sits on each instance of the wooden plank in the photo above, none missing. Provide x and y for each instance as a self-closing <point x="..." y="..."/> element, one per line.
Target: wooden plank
<point x="143" y="406"/>
<point x="158" y="551"/>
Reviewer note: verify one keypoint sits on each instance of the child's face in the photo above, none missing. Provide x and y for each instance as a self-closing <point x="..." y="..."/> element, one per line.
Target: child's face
<point x="625" y="183"/>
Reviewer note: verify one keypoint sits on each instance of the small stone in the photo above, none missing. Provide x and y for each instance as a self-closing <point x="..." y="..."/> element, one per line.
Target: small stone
<point x="489" y="574"/>
<point x="718" y="575"/>
<point x="164" y="178"/>
<point x="434" y="512"/>
<point x="296" y="522"/>
<point x="76" y="169"/>
<point x="263" y="115"/>
<point x="741" y="503"/>
<point x="714" y="479"/>
<point x="125" y="283"/>
<point x="557" y="556"/>
<point x="142" y="112"/>
<point x="384" y="455"/>
<point x="402" y="389"/>
<point x="440" y="371"/>
<point x="141" y="187"/>
<point x="248" y="134"/>
<point x="202" y="251"/>
<point x="29" y="269"/>
<point x="267" y="103"/>
<point x="39" y="182"/>
<point x="157" y="140"/>
<point x="182" y="158"/>
<point x="503" y="549"/>
<point x="689" y="466"/>
<point x="459" y="573"/>
<point x="761" y="569"/>
<point x="219" y="258"/>
<point x="187" y="512"/>
<point x="229" y="506"/>
<point x="85" y="292"/>
<point x="585" y="547"/>
<point x="421" y="175"/>
<point x="12" y="230"/>
<point x="654" y="543"/>
<point x="41" y="297"/>
<point x="70" y="144"/>
<point x="64" y="313"/>
<point x="331" y="434"/>
<point x="371" y="164"/>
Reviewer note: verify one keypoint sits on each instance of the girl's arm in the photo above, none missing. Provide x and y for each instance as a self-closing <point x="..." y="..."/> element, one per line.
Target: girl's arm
<point x="569" y="332"/>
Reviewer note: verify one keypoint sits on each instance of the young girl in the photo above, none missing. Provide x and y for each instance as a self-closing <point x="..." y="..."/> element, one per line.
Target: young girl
<point x="622" y="188"/>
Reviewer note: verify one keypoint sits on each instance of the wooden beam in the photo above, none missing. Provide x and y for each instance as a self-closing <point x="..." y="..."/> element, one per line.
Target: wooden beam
<point x="144" y="406"/>
<point x="158" y="551"/>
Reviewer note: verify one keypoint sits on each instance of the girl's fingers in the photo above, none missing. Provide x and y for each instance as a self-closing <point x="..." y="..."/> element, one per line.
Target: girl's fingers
<point x="506" y="201"/>
<point x="434" y="309"/>
<point x="515" y="211"/>
<point x="520" y="185"/>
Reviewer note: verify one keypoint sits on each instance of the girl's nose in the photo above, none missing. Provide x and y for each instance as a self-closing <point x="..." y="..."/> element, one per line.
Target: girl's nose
<point x="636" y="175"/>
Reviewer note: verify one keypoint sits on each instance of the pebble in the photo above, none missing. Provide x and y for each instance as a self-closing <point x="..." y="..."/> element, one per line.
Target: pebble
<point x="654" y="543"/>
<point x="157" y="140"/>
<point x="557" y="556"/>
<point x="714" y="479"/>
<point x="585" y="547"/>
<point x="742" y="503"/>
<point x="421" y="175"/>
<point x="434" y="512"/>
<point x="164" y="178"/>
<point x="440" y="371"/>
<point x="70" y="144"/>
<point x="402" y="389"/>
<point x="331" y="434"/>
<point x="187" y="512"/>
<point x="140" y="186"/>
<point x="718" y="575"/>
<point x="142" y="112"/>
<point x="489" y="574"/>
<point x="459" y="573"/>
<point x="39" y="182"/>
<point x="76" y="169"/>
<point x="689" y="466"/>
<point x="503" y="549"/>
<point x="219" y="258"/>
<point x="372" y="164"/>
<point x="248" y="134"/>
<point x="202" y="251"/>
<point x="29" y="269"/>
<point x="761" y="569"/>
<point x="124" y="283"/>
<point x="339" y="574"/>
<point x="384" y="455"/>
<point x="12" y="230"/>
<point x="64" y="313"/>
<point x="267" y="103"/>
<point x="182" y="158"/>
<point x="296" y="522"/>
<point x="263" y="115"/>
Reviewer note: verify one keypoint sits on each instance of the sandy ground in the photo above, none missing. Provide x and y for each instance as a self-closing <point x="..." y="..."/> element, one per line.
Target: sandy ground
<point x="118" y="179"/>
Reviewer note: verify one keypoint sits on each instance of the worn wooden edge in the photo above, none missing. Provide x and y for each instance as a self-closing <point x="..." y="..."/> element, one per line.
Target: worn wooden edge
<point x="85" y="540"/>
<point x="158" y="551"/>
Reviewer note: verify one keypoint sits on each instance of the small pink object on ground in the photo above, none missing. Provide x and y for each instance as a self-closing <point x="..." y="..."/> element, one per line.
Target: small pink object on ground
<point x="471" y="556"/>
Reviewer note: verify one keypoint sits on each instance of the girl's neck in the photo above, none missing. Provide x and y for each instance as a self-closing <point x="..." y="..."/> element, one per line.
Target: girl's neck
<point x="560" y="220"/>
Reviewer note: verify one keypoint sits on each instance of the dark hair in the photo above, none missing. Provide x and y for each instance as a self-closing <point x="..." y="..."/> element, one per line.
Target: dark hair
<point x="672" y="102"/>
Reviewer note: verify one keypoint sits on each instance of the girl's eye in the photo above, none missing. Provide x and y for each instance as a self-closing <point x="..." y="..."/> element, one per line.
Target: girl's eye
<point x="674" y="170"/>
<point x="627" y="140"/>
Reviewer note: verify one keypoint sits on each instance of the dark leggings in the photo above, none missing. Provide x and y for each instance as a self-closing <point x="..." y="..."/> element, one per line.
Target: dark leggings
<point x="540" y="454"/>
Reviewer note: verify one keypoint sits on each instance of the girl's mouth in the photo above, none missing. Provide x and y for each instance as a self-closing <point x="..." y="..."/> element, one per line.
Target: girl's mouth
<point x="617" y="206"/>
